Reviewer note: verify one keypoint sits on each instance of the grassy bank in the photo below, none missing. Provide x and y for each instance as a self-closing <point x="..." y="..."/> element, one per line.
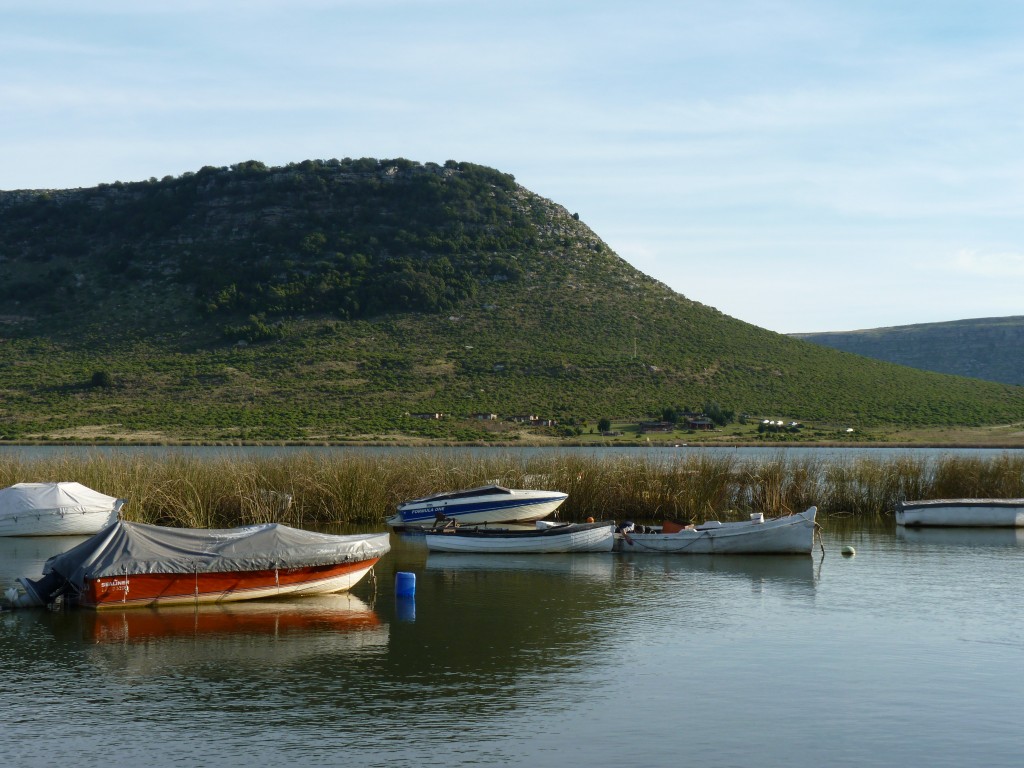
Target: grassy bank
<point x="315" y="491"/>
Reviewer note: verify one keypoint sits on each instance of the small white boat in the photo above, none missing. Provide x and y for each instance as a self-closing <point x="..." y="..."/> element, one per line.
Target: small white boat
<point x="55" y="509"/>
<point x="478" y="506"/>
<point x="971" y="513"/>
<point x="569" y="537"/>
<point x="791" y="534"/>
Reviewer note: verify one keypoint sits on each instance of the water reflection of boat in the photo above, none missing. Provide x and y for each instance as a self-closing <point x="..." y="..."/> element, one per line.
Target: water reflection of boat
<point x="20" y="555"/>
<point x="209" y="641"/>
<point x="968" y="537"/>
<point x="791" y="570"/>
<point x="594" y="565"/>
<point x="341" y="612"/>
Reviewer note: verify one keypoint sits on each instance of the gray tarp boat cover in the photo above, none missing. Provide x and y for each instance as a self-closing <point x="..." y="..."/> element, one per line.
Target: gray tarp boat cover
<point x="52" y="497"/>
<point x="133" y="548"/>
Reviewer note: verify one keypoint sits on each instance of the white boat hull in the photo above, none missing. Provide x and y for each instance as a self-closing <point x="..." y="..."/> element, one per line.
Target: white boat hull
<point x="515" y="506"/>
<point x="594" y="537"/>
<point x="793" y="534"/>
<point x="971" y="513"/>
<point x="55" y="522"/>
<point x="55" y="509"/>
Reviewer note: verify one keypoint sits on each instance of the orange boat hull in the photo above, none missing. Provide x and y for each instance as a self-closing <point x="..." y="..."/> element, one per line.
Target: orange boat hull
<point x="149" y="589"/>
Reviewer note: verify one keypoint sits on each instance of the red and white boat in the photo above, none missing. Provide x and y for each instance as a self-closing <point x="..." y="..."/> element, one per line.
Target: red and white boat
<point x="134" y="564"/>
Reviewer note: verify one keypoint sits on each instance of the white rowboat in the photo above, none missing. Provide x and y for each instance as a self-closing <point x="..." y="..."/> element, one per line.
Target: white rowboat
<point x="972" y="513"/>
<point x="792" y="534"/>
<point x="586" y="537"/>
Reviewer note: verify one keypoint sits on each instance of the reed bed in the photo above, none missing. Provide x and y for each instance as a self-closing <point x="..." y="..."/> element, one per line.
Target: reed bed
<point x="312" y="490"/>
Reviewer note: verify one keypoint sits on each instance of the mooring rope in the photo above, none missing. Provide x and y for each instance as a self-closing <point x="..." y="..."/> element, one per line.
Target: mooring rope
<point x="373" y="582"/>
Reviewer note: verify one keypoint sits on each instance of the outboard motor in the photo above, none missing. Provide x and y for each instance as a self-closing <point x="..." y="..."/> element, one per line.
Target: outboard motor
<point x="442" y="521"/>
<point x="41" y="592"/>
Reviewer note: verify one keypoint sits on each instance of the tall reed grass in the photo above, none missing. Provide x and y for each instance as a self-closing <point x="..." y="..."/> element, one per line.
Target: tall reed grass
<point x="306" y="489"/>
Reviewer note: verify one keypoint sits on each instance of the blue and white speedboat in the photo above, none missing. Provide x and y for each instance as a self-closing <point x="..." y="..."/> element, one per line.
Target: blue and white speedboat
<point x="477" y="506"/>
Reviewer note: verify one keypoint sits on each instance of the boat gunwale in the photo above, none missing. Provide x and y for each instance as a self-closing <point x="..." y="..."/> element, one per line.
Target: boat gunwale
<point x="552" y="531"/>
<point x="931" y="503"/>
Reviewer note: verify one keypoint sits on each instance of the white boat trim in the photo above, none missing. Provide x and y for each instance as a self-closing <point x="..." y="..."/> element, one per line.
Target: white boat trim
<point x="585" y="537"/>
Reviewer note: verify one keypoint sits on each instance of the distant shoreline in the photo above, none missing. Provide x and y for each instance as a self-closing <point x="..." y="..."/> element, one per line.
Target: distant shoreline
<point x="554" y="445"/>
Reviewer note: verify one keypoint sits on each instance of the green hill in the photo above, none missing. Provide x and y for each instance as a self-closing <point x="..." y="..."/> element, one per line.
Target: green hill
<point x="332" y="300"/>
<point x="990" y="348"/>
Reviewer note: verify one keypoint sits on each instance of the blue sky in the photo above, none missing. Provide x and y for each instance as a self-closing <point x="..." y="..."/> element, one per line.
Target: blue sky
<point x="800" y="165"/>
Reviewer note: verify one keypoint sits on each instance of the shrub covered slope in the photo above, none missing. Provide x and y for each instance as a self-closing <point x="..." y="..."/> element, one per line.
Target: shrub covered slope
<point x="334" y="300"/>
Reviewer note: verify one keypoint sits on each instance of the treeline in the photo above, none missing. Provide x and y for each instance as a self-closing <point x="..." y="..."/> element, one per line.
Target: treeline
<point x="404" y="238"/>
<point x="346" y="238"/>
<point x="710" y="410"/>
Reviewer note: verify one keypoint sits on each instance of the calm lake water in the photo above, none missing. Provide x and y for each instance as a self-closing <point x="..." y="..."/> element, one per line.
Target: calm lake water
<point x="910" y="653"/>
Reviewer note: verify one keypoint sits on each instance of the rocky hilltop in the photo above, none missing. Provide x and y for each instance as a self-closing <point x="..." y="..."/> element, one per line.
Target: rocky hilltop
<point x="342" y="238"/>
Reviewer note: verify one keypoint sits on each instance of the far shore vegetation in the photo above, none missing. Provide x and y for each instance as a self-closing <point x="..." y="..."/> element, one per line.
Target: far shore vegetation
<point x="598" y="433"/>
<point x="334" y="492"/>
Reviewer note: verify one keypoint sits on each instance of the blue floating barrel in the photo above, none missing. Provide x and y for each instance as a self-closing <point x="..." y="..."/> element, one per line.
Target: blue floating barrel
<point x="405" y="584"/>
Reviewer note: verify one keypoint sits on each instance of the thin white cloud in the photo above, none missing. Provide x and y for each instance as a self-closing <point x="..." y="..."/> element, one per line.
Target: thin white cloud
<point x="989" y="265"/>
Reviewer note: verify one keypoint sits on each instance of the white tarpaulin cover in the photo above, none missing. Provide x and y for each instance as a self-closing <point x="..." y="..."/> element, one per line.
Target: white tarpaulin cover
<point x="133" y="548"/>
<point x="64" y="498"/>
